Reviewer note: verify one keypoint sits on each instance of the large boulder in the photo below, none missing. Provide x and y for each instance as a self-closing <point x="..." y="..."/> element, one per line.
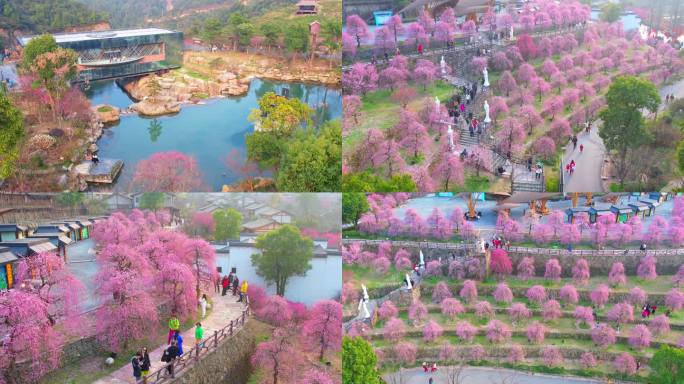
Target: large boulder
<point x="226" y="77"/>
<point x="106" y="113"/>
<point x="153" y="108"/>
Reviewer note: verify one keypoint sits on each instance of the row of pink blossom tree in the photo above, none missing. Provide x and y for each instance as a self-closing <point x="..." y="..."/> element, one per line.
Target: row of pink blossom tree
<point x="298" y="329"/>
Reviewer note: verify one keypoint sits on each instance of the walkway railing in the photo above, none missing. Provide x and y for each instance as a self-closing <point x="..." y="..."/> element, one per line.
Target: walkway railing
<point x="525" y="250"/>
<point x="192" y="356"/>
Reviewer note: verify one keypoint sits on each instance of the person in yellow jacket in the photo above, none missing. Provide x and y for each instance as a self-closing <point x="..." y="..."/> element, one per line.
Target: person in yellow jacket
<point x="174" y="326"/>
<point x="243" y="290"/>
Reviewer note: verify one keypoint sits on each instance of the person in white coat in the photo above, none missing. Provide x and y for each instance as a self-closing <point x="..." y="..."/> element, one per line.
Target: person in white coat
<point x="203" y="305"/>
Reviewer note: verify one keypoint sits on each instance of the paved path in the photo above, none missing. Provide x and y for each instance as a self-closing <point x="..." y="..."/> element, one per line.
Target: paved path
<point x="587" y="176"/>
<point x="485" y="375"/>
<point x="225" y="309"/>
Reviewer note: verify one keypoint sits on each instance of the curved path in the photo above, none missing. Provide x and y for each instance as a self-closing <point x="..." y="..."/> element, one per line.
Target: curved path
<point x="587" y="175"/>
<point x="485" y="375"/>
<point x="225" y="309"/>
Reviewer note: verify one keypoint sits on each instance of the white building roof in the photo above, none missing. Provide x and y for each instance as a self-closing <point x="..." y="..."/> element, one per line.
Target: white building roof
<point x="99" y="35"/>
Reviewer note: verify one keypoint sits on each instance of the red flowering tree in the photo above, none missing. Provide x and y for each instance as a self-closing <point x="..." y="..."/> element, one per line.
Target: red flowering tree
<point x="168" y="172"/>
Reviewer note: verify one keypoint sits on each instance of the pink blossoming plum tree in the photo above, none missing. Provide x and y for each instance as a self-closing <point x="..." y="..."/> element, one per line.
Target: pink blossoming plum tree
<point x="503" y="294"/>
<point x="639" y="337"/>
<point x="624" y="363"/>
<point x="536" y="333"/>
<point x="536" y="294"/>
<point x="451" y="307"/>
<point x="526" y="268"/>
<point x="552" y="356"/>
<point x="553" y="270"/>
<point x="498" y="332"/>
<point x="465" y="331"/>
<point x="440" y="292"/>
<point x="322" y="330"/>
<point x="484" y="310"/>
<point x="616" y="276"/>
<point x="432" y="331"/>
<point x="568" y="294"/>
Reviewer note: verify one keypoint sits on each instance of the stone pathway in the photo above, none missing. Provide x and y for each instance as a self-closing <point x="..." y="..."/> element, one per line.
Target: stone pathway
<point x="587" y="175"/>
<point x="224" y="309"/>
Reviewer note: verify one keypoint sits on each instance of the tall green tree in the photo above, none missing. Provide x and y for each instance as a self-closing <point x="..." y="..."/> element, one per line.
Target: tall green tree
<point x="152" y="200"/>
<point x="265" y="149"/>
<point x="611" y="12"/>
<point x="311" y="162"/>
<point x="332" y="34"/>
<point x="667" y="365"/>
<point x="228" y="224"/>
<point x="233" y="27"/>
<point x="354" y="204"/>
<point x="359" y="362"/>
<point x="284" y="253"/>
<point x="297" y="39"/>
<point x="624" y="127"/>
<point x="271" y="31"/>
<point x="245" y="33"/>
<point x="36" y="47"/>
<point x="212" y="31"/>
<point x="280" y="115"/>
<point x="11" y="135"/>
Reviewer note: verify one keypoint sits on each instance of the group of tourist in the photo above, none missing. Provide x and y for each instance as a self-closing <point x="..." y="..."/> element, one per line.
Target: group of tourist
<point x="669" y="98"/>
<point x="232" y="281"/>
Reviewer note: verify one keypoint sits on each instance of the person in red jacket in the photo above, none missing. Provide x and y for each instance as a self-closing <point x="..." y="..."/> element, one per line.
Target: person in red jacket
<point x="225" y="284"/>
<point x="420" y="49"/>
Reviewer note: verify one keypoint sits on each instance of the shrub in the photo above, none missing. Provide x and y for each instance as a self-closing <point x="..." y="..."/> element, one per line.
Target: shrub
<point x="469" y="291"/>
<point x="518" y="311"/>
<point x="406" y="352"/>
<point x="552" y="356"/>
<point x="674" y="299"/>
<point x="516" y="354"/>
<point x="659" y="325"/>
<point x="599" y="296"/>
<point x="447" y="352"/>
<point x="484" y="310"/>
<point x="553" y="270"/>
<point x="621" y="313"/>
<point x="625" y="364"/>
<point x="583" y="315"/>
<point x="451" y="307"/>
<point x="580" y="272"/>
<point x="526" y="268"/>
<point x="432" y="331"/>
<point x="616" y="276"/>
<point x="477" y="353"/>
<point x="640" y="337"/>
<point x="465" y="331"/>
<point x="587" y="360"/>
<point x="551" y="310"/>
<point x="498" y="332"/>
<point x="647" y="268"/>
<point x="536" y="333"/>
<point x="394" y="330"/>
<point x="502" y="293"/>
<point x="387" y="310"/>
<point x="433" y="268"/>
<point x="537" y="294"/>
<point x="603" y="335"/>
<point x="568" y="294"/>
<point x="637" y="296"/>
<point x="417" y="312"/>
<point x="500" y="263"/>
<point x="440" y="292"/>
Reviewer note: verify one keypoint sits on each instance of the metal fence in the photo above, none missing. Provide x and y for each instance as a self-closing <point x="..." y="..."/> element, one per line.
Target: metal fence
<point x="524" y="250"/>
<point x="192" y="356"/>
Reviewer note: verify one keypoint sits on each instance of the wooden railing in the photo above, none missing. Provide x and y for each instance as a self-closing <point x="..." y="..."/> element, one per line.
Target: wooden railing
<point x="525" y="250"/>
<point x="193" y="355"/>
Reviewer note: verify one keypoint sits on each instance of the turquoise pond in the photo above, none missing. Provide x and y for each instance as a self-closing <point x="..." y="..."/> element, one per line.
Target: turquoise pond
<point x="208" y="132"/>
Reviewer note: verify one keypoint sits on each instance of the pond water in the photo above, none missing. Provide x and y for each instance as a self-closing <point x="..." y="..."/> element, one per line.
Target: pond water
<point x="629" y="21"/>
<point x="323" y="281"/>
<point x="208" y="132"/>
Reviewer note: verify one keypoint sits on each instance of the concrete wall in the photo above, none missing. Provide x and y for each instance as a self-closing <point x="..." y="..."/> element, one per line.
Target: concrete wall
<point x="228" y="364"/>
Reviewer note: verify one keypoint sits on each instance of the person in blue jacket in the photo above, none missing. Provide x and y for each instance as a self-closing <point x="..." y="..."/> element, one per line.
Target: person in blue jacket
<point x="179" y="341"/>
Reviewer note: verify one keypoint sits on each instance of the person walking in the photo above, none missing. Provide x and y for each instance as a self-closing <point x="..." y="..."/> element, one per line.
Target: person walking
<point x="236" y="284"/>
<point x="145" y="365"/>
<point x="420" y="48"/>
<point x="226" y="284"/>
<point x="135" y="362"/>
<point x="179" y="342"/>
<point x="203" y="305"/>
<point x="169" y="357"/>
<point x="243" y="291"/>
<point x="174" y="326"/>
<point x="217" y="283"/>
<point x="581" y="148"/>
<point x="199" y="333"/>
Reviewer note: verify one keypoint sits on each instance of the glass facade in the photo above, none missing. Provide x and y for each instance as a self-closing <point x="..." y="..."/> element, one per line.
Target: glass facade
<point x="136" y="55"/>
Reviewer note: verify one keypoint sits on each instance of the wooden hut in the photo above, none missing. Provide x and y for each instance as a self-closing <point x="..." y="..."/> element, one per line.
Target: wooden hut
<point x="13" y="231"/>
<point x="622" y="212"/>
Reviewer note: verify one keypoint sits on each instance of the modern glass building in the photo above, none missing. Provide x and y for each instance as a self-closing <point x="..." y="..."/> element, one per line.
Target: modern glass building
<point x="121" y="53"/>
